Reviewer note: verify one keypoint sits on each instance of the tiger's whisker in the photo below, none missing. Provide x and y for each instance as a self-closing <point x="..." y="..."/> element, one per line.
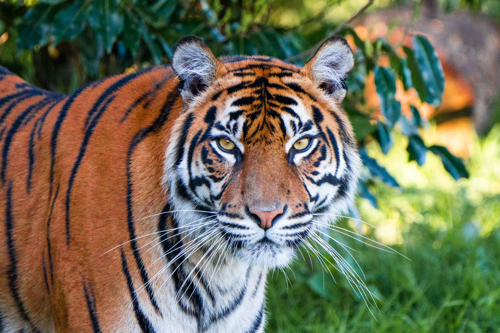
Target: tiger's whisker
<point x="188" y="246"/>
<point x="345" y="247"/>
<point x="347" y="217"/>
<point x="352" y="277"/>
<point x="346" y="232"/>
<point x="189" y="231"/>
<point x="153" y="233"/>
<point x="192" y="250"/>
<point x="191" y="282"/>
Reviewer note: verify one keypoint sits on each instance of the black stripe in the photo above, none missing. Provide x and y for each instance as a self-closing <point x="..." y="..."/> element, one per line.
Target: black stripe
<point x="142" y="320"/>
<point x="335" y="146"/>
<point x="141" y="135"/>
<point x="150" y="94"/>
<point x="317" y="115"/>
<point x="306" y="127"/>
<point x="55" y="132"/>
<point x="172" y="248"/>
<point x="91" y="306"/>
<point x="257" y="321"/>
<point x="38" y="125"/>
<point x="216" y="96"/>
<point x="12" y="272"/>
<point x="232" y="306"/>
<point x="257" y="284"/>
<point x="31" y="156"/>
<point x="297" y="226"/>
<point x="267" y="66"/>
<point x="283" y="74"/>
<point x="192" y="146"/>
<point x="13" y="130"/>
<point x="45" y="274"/>
<point x="345" y="135"/>
<point x="113" y="88"/>
<point x="210" y="115"/>
<point x="247" y="100"/>
<point x="183" y="138"/>
<point x="328" y="178"/>
<point x="322" y="157"/>
<point x="49" y="250"/>
<point x="15" y="99"/>
<point x="76" y="165"/>
<point x="300" y="214"/>
<point x="238" y="87"/>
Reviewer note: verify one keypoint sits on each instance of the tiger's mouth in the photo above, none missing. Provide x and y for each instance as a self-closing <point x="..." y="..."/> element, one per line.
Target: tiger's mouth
<point x="271" y="247"/>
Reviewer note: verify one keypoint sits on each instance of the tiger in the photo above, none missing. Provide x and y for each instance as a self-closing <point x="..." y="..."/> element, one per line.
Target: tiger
<point x="159" y="200"/>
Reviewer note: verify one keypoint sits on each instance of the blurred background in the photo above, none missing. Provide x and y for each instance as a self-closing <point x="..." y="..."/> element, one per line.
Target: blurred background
<point x="424" y="102"/>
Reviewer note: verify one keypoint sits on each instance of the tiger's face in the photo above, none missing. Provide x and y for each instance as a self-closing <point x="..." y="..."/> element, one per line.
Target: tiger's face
<point x="261" y="147"/>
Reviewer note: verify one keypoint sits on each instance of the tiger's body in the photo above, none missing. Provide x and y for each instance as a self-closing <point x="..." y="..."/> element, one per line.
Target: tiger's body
<point x="124" y="210"/>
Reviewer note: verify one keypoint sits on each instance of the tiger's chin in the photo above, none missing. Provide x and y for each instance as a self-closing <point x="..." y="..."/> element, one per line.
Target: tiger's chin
<point x="266" y="253"/>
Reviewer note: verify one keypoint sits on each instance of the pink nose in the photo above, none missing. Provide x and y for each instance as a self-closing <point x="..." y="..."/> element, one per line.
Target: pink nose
<point x="266" y="218"/>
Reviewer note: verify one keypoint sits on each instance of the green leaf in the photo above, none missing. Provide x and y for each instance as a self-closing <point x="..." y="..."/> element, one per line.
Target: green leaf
<point x="384" y="138"/>
<point x="430" y="68"/>
<point x="166" y="48"/>
<point x="91" y="51"/>
<point x="107" y="20"/>
<point x="355" y="82"/>
<point x="417" y="119"/>
<point x="361" y="125"/>
<point x="131" y="37"/>
<point x="382" y="44"/>
<point x="400" y="66"/>
<point x="150" y="41"/>
<point x="70" y="22"/>
<point x="416" y="76"/>
<point x="385" y="85"/>
<point x="364" y="192"/>
<point x="377" y="170"/>
<point x="36" y="27"/>
<point x="417" y="149"/>
<point x="451" y="163"/>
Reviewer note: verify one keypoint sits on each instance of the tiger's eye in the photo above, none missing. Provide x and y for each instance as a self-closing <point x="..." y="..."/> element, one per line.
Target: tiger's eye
<point x="301" y="144"/>
<point x="226" y="144"/>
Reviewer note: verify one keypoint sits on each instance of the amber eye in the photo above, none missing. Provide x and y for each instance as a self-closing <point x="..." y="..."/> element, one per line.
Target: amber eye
<point x="301" y="144"/>
<point x="226" y="144"/>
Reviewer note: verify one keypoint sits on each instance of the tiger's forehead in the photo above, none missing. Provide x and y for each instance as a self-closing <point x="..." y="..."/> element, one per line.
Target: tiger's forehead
<point x="265" y="105"/>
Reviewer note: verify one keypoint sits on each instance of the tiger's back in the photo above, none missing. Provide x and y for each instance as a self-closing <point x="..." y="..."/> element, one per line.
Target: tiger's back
<point x="123" y="212"/>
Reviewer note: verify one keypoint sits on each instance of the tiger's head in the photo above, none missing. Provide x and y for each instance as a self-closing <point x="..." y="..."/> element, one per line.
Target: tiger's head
<point x="260" y="148"/>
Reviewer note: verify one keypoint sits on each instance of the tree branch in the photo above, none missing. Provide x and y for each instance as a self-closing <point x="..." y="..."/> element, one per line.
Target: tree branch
<point x="313" y="49"/>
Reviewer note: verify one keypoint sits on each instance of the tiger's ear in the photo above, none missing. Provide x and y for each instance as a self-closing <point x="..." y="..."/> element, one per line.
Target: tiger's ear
<point x="196" y="66"/>
<point x="330" y="66"/>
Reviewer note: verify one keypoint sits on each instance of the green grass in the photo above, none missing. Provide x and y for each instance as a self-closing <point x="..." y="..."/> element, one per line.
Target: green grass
<point x="449" y="230"/>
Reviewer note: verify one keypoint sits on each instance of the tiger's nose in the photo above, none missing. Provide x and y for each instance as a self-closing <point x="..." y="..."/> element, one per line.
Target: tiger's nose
<point x="266" y="217"/>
